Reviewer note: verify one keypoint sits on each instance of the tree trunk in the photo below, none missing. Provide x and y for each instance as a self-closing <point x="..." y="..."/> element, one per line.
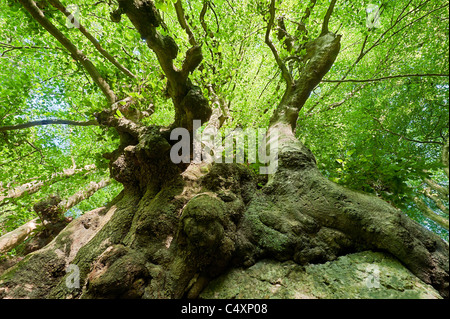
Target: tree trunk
<point x="167" y="236"/>
<point x="174" y="229"/>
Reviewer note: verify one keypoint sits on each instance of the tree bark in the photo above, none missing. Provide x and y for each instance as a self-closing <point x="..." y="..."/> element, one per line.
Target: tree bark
<point x="164" y="241"/>
<point x="51" y="220"/>
<point x="173" y="229"/>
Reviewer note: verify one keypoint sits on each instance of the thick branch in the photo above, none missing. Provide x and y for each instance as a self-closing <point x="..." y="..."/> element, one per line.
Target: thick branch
<point x="286" y="75"/>
<point x="437" y="199"/>
<point x="94" y="41"/>
<point x="308" y="10"/>
<point x="327" y="17"/>
<point x="188" y="100"/>
<point x="438" y="188"/>
<point x="39" y="16"/>
<point x="46" y="122"/>
<point x="202" y="17"/>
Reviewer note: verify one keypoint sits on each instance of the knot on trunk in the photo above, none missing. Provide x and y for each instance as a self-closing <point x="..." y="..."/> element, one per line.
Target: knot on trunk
<point x="194" y="106"/>
<point x="118" y="272"/>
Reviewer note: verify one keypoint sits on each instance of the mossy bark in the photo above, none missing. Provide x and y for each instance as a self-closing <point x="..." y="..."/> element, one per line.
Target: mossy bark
<point x="168" y="236"/>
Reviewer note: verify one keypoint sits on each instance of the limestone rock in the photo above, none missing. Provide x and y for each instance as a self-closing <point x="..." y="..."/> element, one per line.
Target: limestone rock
<point x="364" y="275"/>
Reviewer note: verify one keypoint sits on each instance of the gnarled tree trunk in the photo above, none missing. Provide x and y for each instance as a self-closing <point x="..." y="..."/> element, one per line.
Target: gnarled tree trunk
<point x="173" y="228"/>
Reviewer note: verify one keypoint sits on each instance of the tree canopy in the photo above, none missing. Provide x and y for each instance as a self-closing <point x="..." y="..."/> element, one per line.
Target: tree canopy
<point x="378" y="122"/>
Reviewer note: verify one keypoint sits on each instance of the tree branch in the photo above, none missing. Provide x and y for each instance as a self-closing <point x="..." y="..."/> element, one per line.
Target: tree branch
<point x="188" y="99"/>
<point x="16" y="237"/>
<point x="428" y="212"/>
<point x="19" y="235"/>
<point x="58" y="5"/>
<point x="286" y="75"/>
<point x="308" y="10"/>
<point x="387" y="78"/>
<point x="202" y="18"/>
<point x="404" y="137"/>
<point x="327" y="17"/>
<point x="365" y="51"/>
<point x="83" y="194"/>
<point x="10" y="47"/>
<point x="438" y="188"/>
<point x="445" y="157"/>
<point x="438" y="199"/>
<point x="39" y="16"/>
<point x="46" y="122"/>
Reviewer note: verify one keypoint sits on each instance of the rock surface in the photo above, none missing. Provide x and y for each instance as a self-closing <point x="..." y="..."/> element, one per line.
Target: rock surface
<point x="364" y="275"/>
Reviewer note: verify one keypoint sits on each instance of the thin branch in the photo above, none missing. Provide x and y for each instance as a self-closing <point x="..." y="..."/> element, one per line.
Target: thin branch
<point x="202" y="17"/>
<point x="231" y="7"/>
<point x="39" y="16"/>
<point x="10" y="47"/>
<point x="268" y="83"/>
<point x="438" y="199"/>
<point x="16" y="160"/>
<point x="83" y="194"/>
<point x="428" y="212"/>
<point x="365" y="51"/>
<point x="378" y="42"/>
<point x="35" y="185"/>
<point x="47" y="122"/>
<point x="308" y="10"/>
<point x="183" y="23"/>
<point x="387" y="78"/>
<point x="286" y="75"/>
<point x="58" y="5"/>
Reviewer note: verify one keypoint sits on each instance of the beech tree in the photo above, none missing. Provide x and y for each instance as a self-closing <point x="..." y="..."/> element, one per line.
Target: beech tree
<point x="92" y="90"/>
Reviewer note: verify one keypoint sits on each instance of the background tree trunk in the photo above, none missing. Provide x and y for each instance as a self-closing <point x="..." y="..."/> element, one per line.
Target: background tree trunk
<point x="174" y="229"/>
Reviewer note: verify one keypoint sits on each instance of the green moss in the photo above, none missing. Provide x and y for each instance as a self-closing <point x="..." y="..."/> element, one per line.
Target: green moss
<point x="21" y="277"/>
<point x="203" y="220"/>
<point x="263" y="223"/>
<point x="365" y="275"/>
